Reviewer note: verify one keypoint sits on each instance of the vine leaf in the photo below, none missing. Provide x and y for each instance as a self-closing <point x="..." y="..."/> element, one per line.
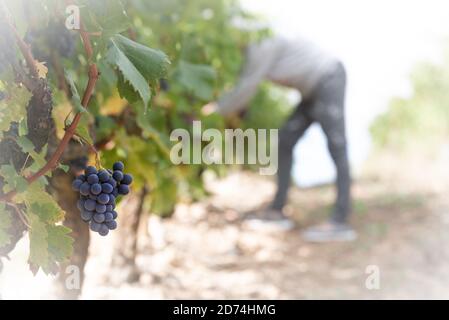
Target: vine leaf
<point x="76" y="100"/>
<point x="196" y="78"/>
<point x="139" y="65"/>
<point x="38" y="235"/>
<point x="109" y="16"/>
<point x="41" y="202"/>
<point x="5" y="224"/>
<point x="59" y="242"/>
<point x="64" y="167"/>
<point x="126" y="90"/>
<point x="13" y="180"/>
<point x="39" y="158"/>
<point x="144" y="122"/>
<point x="13" y="108"/>
<point x="82" y="130"/>
<point x="42" y="69"/>
<point x="50" y="242"/>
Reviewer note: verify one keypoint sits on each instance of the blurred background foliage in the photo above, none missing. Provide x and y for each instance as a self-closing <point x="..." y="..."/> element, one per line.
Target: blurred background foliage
<point x="422" y="119"/>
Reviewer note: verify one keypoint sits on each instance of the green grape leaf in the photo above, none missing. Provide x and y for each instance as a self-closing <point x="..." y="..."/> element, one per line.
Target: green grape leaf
<point x="26" y="144"/>
<point x="108" y="75"/>
<point x="50" y="242"/>
<point x="47" y="211"/>
<point x="13" y="181"/>
<point x="164" y="197"/>
<point x="64" y="167"/>
<point x="5" y="224"/>
<point x="13" y="107"/>
<point x="109" y="16"/>
<point x="41" y="203"/>
<point x="143" y="121"/>
<point x="138" y="64"/>
<point x="196" y="78"/>
<point x="105" y="127"/>
<point x="23" y="127"/>
<point x="76" y="99"/>
<point x="59" y="242"/>
<point x="151" y="63"/>
<point x="39" y="255"/>
<point x="82" y="130"/>
<point x="126" y="90"/>
<point x="39" y="159"/>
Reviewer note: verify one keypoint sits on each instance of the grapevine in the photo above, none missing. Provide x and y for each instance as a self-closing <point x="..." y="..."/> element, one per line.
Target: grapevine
<point x="117" y="86"/>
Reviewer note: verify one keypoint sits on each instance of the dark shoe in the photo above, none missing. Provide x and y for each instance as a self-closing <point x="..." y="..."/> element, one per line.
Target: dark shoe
<point x="330" y="232"/>
<point x="270" y="220"/>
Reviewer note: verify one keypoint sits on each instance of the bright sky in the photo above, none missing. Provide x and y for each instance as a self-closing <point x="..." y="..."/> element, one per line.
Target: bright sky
<point x="379" y="42"/>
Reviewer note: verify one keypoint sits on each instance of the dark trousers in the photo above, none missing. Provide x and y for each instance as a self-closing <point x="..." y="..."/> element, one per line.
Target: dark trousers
<point x="325" y="106"/>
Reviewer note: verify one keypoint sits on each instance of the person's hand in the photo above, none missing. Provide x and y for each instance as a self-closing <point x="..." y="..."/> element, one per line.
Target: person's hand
<point x="209" y="108"/>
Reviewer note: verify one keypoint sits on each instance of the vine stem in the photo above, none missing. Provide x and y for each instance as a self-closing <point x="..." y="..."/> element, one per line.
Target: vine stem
<point x="91" y="149"/>
<point x="70" y="131"/>
<point x="20" y="214"/>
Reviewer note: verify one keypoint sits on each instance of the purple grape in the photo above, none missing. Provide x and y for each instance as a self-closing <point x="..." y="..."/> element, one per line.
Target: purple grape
<point x="95" y="189"/>
<point x="109" y="207"/>
<point x="80" y="204"/>
<point x="100" y="208"/>
<point x="123" y="189"/>
<point x="85" y="189"/>
<point x="118" y="166"/>
<point x="106" y="188"/>
<point x="108" y="216"/>
<point x="112" y="182"/>
<point x="127" y="179"/>
<point x="92" y="179"/>
<point x="115" y="192"/>
<point x="103" y="198"/>
<point x="112" y="225"/>
<point x="90" y="205"/>
<point x="118" y="176"/>
<point x="76" y="184"/>
<point x="99" y="217"/>
<point x="111" y="199"/>
<point x="90" y="170"/>
<point x="114" y="214"/>
<point x="104" y="230"/>
<point x="103" y="175"/>
<point x="94" y="226"/>
<point x="86" y="215"/>
<point x="81" y="177"/>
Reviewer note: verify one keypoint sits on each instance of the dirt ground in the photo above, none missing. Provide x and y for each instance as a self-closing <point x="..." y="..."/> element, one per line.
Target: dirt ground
<point x="401" y="212"/>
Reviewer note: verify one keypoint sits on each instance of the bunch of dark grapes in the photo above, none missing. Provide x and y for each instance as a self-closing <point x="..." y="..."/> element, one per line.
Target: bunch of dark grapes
<point x="53" y="37"/>
<point x="98" y="193"/>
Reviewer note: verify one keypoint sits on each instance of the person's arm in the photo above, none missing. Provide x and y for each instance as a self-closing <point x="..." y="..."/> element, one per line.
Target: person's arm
<point x="259" y="60"/>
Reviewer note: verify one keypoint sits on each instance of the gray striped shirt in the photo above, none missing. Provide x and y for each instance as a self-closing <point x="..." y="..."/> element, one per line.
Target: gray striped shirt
<point x="298" y="64"/>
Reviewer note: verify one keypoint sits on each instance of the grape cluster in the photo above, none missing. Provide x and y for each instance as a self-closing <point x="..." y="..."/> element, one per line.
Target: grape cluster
<point x="53" y="37"/>
<point x="98" y="192"/>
